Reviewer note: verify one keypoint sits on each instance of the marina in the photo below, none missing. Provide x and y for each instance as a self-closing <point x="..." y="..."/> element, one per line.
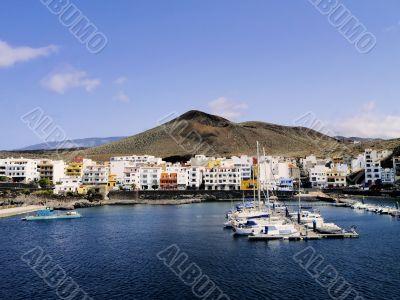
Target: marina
<point x="118" y="239"/>
<point x="268" y="219"/>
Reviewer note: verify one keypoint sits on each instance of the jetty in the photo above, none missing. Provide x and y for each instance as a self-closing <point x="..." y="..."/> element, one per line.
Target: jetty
<point x="14" y="211"/>
<point x="304" y="234"/>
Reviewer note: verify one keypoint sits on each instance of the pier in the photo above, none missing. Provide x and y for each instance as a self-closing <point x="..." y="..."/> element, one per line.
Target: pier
<point x="9" y="212"/>
<point x="305" y="234"/>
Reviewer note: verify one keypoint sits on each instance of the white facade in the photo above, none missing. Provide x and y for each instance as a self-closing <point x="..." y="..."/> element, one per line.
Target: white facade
<point x="67" y="184"/>
<point x="372" y="167"/>
<point x="20" y="169"/>
<point x="244" y="164"/>
<point x="97" y="174"/>
<point x="150" y="178"/>
<point x="119" y="163"/>
<point x="195" y="177"/>
<point x="396" y="167"/>
<point x="388" y="176"/>
<point x="132" y="178"/>
<point x="318" y="176"/>
<point x="53" y="170"/>
<point x="222" y="178"/>
<point x="358" y="163"/>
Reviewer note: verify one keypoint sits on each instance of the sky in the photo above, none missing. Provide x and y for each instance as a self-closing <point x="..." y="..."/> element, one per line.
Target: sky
<point x="274" y="61"/>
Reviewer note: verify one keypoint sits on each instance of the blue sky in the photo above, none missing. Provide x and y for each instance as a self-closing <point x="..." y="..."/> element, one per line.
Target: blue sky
<point x="272" y="61"/>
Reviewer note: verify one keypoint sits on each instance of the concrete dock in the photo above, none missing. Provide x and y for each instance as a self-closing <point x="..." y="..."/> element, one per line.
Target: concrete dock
<point x="9" y="212"/>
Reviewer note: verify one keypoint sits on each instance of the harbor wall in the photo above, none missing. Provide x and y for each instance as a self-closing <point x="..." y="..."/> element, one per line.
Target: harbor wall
<point x="200" y="195"/>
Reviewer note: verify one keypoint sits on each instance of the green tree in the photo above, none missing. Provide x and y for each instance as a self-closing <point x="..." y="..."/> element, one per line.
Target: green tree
<point x="3" y="179"/>
<point x="45" y="182"/>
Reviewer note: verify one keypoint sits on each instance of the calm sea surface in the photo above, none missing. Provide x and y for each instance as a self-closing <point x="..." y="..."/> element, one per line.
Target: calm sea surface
<point x="111" y="253"/>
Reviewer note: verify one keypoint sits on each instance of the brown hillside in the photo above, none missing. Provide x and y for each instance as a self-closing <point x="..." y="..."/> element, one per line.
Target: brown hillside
<point x="197" y="132"/>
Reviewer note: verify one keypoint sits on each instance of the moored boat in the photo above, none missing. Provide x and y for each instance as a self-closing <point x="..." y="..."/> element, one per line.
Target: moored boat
<point x="47" y="214"/>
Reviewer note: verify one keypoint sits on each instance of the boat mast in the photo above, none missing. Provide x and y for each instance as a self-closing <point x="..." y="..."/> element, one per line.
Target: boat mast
<point x="254" y="187"/>
<point x="258" y="175"/>
<point x="299" y="193"/>
<point x="266" y="178"/>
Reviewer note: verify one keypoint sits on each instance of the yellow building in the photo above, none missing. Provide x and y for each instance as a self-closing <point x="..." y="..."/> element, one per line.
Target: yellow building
<point x="213" y="163"/>
<point x="74" y="169"/>
<point x="248" y="185"/>
<point x="112" y="181"/>
<point x="83" y="189"/>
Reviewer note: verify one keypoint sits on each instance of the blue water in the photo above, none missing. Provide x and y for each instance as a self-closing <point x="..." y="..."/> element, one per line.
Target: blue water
<point x="111" y="254"/>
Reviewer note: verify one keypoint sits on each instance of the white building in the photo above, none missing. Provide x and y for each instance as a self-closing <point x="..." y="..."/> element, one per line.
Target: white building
<point x="222" y="178"/>
<point x="149" y="178"/>
<point x="358" y="163"/>
<point x="388" y="176"/>
<point x="20" y="169"/>
<point x="318" y="176"/>
<point x="372" y="167"/>
<point x="131" y="178"/>
<point x="52" y="170"/>
<point x="384" y="154"/>
<point x="195" y="176"/>
<point x="396" y="167"/>
<point x="119" y="163"/>
<point x="97" y="174"/>
<point x="68" y="185"/>
<point x="244" y="163"/>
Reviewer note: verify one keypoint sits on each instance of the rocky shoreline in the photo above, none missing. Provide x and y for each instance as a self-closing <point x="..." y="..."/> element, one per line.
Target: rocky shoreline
<point x="131" y="198"/>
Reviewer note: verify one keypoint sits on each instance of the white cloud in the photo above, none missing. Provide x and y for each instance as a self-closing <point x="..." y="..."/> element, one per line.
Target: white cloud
<point x="369" y="123"/>
<point x="120" y="80"/>
<point x="227" y="108"/>
<point x="11" y="55"/>
<point x="69" y="78"/>
<point x="121" y="97"/>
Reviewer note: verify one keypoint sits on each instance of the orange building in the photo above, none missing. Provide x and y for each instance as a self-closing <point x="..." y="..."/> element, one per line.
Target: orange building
<point x="169" y="181"/>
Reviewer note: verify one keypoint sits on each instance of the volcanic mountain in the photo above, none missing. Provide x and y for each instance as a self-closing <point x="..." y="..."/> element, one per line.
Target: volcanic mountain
<point x="196" y="132"/>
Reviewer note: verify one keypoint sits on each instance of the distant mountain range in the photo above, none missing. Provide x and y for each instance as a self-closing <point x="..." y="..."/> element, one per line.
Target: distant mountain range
<point x="356" y="139"/>
<point x="70" y="144"/>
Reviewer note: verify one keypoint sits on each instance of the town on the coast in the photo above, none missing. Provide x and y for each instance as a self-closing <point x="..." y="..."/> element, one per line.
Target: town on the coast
<point x="81" y="175"/>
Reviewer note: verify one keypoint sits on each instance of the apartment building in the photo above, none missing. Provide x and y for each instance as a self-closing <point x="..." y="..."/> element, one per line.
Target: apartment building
<point x="195" y="177"/>
<point x="149" y="178"/>
<point x="336" y="178"/>
<point x="182" y="175"/>
<point x="318" y="176"/>
<point x="119" y="163"/>
<point x="169" y="181"/>
<point x="68" y="185"/>
<point x="388" y="176"/>
<point x="222" y="178"/>
<point x="372" y="167"/>
<point x="19" y="169"/>
<point x="52" y="170"/>
<point x="396" y="167"/>
<point x="96" y="175"/>
<point x="76" y="167"/>
<point x="132" y="178"/>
